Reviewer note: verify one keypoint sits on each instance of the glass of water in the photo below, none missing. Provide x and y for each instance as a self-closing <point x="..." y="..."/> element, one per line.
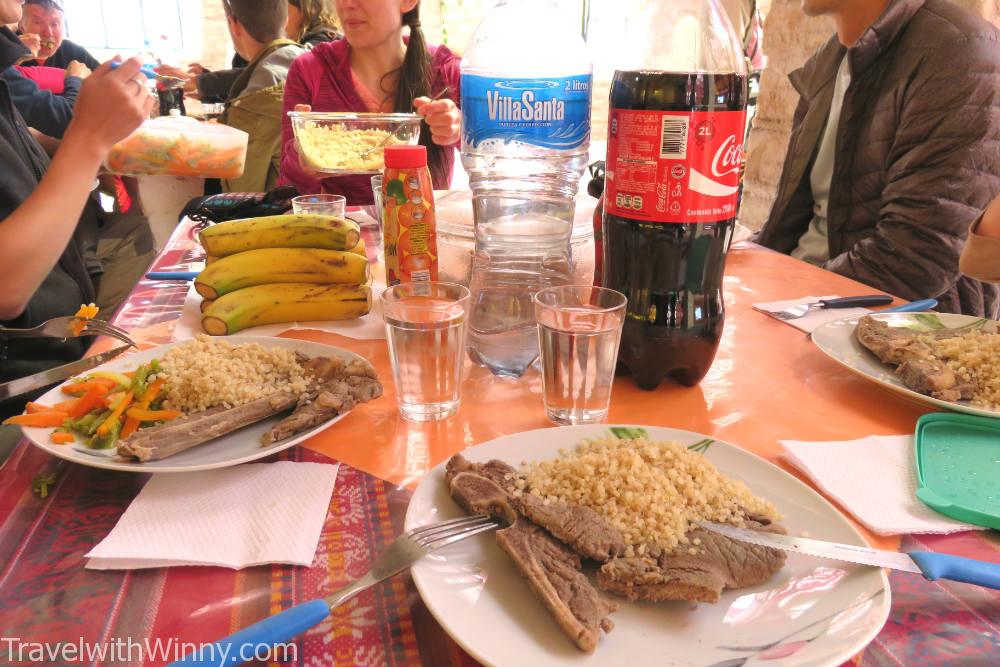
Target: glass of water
<point x="334" y="205"/>
<point x="579" y="329"/>
<point x="378" y="205"/>
<point x="425" y="327"/>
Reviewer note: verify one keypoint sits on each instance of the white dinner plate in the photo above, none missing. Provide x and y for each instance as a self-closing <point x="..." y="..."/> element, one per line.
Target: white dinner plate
<point x="813" y="612"/>
<point x="237" y="447"/>
<point x="837" y="340"/>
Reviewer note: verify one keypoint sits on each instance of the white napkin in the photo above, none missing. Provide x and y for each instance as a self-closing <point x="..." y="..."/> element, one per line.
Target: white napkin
<point x="814" y="318"/>
<point x="234" y="517"/>
<point x="369" y="327"/>
<point x="875" y="479"/>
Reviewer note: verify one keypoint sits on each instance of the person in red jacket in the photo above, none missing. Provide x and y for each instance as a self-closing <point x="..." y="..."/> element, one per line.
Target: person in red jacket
<point x="375" y="69"/>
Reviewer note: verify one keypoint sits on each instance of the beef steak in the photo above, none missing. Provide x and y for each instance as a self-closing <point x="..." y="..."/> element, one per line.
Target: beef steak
<point x="717" y="564"/>
<point x="553" y="572"/>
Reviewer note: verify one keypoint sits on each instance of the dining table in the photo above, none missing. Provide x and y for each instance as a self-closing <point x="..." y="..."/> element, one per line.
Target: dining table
<point x="768" y="383"/>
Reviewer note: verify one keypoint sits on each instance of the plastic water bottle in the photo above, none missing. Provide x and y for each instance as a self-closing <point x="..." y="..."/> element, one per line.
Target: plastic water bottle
<point x="526" y="92"/>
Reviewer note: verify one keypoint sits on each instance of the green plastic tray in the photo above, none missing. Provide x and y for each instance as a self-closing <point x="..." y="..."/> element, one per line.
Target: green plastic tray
<point x="958" y="466"/>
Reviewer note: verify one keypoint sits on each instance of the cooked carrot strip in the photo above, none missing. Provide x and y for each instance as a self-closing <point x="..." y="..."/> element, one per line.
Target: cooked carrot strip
<point x="145" y="415"/>
<point x="112" y="419"/>
<point x="35" y="408"/>
<point x="84" y="387"/>
<point x="61" y="437"/>
<point x="152" y="391"/>
<point x="86" y="403"/>
<point x="40" y="419"/>
<point x="130" y="427"/>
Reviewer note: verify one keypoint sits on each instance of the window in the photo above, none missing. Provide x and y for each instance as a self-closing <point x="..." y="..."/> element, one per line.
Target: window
<point x="168" y="28"/>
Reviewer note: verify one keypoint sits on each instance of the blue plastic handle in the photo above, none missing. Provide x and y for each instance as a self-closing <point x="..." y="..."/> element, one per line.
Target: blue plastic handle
<point x="913" y="307"/>
<point x="253" y="642"/>
<point x="172" y="275"/>
<point x="145" y="69"/>
<point x="969" y="571"/>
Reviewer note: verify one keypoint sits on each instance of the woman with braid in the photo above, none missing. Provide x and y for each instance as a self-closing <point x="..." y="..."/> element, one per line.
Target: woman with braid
<point x="375" y="68"/>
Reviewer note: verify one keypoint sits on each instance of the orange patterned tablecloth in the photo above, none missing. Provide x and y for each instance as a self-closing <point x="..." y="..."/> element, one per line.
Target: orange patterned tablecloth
<point x="768" y="383"/>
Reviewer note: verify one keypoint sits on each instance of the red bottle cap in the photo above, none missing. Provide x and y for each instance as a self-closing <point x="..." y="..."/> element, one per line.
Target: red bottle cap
<point x="405" y="157"/>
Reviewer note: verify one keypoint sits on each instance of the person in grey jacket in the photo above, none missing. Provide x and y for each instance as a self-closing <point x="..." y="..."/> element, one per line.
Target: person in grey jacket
<point x="894" y="150"/>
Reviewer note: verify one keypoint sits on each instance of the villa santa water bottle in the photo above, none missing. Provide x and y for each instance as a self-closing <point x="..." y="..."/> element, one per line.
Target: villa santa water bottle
<point x="526" y="92"/>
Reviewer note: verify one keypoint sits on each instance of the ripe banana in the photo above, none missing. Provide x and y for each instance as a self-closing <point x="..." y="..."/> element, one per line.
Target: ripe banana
<point x="281" y="265"/>
<point x="284" y="302"/>
<point x="360" y="249"/>
<point x="280" y="231"/>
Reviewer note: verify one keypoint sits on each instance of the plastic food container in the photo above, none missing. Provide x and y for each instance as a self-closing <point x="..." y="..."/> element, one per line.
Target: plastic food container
<point x="341" y="143"/>
<point x="180" y="146"/>
<point x="456" y="238"/>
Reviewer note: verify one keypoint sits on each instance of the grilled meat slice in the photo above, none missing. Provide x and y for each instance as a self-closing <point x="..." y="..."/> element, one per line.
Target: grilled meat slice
<point x="478" y="495"/>
<point x="581" y="528"/>
<point x="333" y="397"/>
<point x="159" y="442"/>
<point x="553" y="572"/>
<point x="717" y="564"/>
<point x="892" y="345"/>
<point x="909" y="350"/>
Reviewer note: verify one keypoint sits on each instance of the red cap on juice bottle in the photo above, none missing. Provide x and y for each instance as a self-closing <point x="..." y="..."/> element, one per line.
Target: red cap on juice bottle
<point x="405" y="157"/>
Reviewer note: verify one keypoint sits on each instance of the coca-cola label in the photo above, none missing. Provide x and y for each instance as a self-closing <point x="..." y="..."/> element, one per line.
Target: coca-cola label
<point x="674" y="166"/>
<point x="548" y="113"/>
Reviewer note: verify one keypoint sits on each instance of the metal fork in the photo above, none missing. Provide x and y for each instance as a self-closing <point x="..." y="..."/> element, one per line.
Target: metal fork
<point x="365" y="153"/>
<point x="800" y="310"/>
<point x="62" y="327"/>
<point x="280" y="628"/>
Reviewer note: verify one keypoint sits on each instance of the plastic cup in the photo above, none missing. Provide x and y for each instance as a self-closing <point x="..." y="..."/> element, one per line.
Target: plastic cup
<point x="378" y="206"/>
<point x="425" y="327"/>
<point x="579" y="330"/>
<point x="334" y="205"/>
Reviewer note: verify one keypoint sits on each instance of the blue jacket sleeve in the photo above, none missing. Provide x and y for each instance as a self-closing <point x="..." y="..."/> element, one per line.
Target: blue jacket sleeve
<point x="46" y="112"/>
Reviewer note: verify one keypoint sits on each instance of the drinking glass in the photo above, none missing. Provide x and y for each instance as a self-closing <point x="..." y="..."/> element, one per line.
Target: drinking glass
<point x="378" y="206"/>
<point x="425" y="328"/>
<point x="334" y="205"/>
<point x="579" y="329"/>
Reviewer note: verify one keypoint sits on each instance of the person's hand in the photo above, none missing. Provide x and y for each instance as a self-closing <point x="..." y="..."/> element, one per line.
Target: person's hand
<point x="32" y="41"/>
<point x="309" y="171"/>
<point x="111" y="104"/>
<point x="176" y="72"/>
<point x="443" y="117"/>
<point x="194" y="69"/>
<point x="990" y="224"/>
<point x="77" y="69"/>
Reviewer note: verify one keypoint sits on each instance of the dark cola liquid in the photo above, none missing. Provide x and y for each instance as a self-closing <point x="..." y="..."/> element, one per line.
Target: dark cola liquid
<point x="671" y="273"/>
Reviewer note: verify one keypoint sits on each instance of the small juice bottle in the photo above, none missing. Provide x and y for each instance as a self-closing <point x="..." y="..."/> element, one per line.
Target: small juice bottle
<point x="408" y="223"/>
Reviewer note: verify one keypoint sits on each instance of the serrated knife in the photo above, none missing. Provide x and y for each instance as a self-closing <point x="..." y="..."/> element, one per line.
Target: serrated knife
<point x="931" y="565"/>
<point x="57" y="374"/>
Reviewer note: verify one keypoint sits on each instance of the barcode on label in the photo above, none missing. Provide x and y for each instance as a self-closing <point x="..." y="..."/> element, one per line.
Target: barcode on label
<point x="674" y="137"/>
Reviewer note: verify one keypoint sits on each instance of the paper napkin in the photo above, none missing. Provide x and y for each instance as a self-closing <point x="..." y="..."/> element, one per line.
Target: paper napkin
<point x="369" y="327"/>
<point x="875" y="479"/>
<point x="814" y="318"/>
<point x="234" y="517"/>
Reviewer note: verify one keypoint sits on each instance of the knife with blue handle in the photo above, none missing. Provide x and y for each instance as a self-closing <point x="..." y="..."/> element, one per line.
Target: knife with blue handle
<point x="931" y="565"/>
<point x="172" y="275"/>
<point x="912" y="307"/>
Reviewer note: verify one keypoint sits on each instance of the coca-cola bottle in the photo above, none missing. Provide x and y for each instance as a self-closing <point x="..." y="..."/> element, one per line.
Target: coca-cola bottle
<point x="675" y="147"/>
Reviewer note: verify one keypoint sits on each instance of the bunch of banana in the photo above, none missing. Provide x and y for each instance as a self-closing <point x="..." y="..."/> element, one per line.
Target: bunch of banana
<point x="282" y="268"/>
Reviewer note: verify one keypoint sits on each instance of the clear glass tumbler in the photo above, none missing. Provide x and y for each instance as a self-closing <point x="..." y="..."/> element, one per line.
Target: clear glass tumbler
<point x="334" y="205"/>
<point x="425" y="326"/>
<point x="579" y="329"/>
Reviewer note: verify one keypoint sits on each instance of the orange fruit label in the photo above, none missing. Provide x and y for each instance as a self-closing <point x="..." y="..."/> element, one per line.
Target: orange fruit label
<point x="409" y="226"/>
